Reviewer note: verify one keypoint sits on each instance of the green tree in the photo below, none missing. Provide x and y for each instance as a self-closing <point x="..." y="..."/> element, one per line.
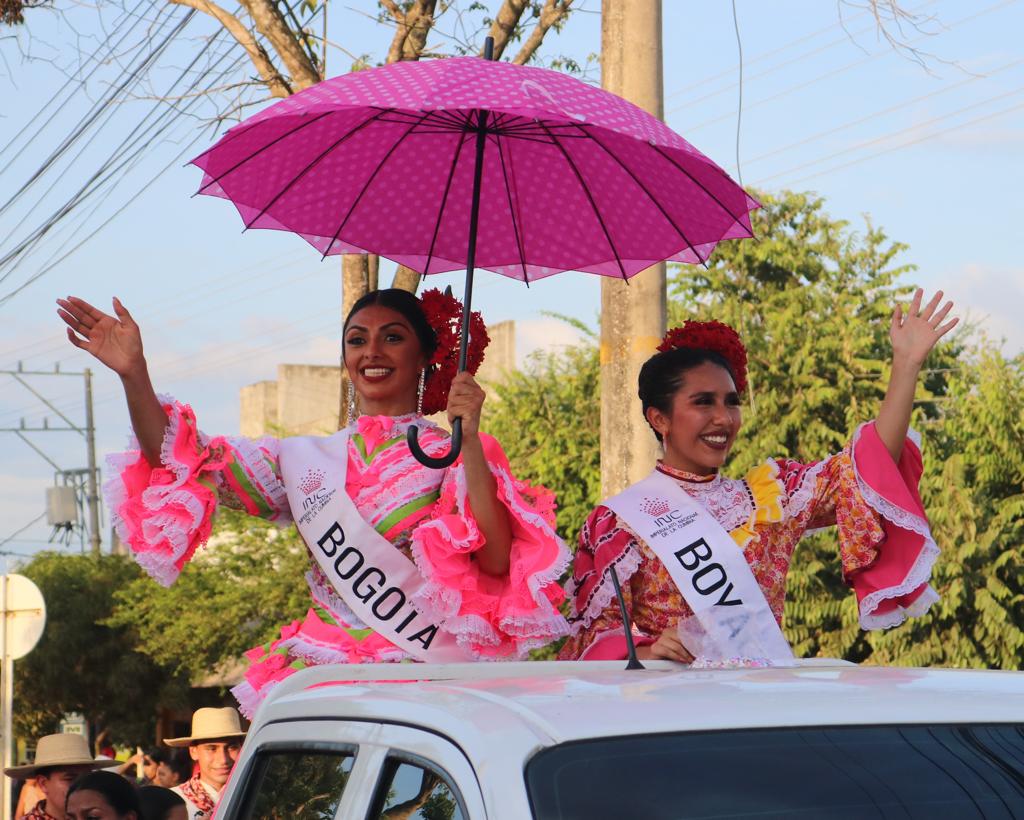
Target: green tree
<point x="236" y="593"/>
<point x="548" y="419"/>
<point x="84" y="664"/>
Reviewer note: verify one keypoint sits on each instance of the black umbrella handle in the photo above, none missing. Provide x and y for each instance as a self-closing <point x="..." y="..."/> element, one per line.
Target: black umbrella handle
<point x="412" y="436"/>
<point x="439" y="463"/>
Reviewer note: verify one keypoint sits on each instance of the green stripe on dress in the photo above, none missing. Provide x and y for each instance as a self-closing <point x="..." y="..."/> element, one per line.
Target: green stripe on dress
<point x="361" y="447"/>
<point x="252" y="492"/>
<point x="406" y="510"/>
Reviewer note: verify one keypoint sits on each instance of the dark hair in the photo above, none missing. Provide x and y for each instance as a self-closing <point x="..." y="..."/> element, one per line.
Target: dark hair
<point x="402" y="302"/>
<point x="662" y="375"/>
<point x="158" y="754"/>
<point x="156" y="801"/>
<point x="116" y="790"/>
<point x="181" y="764"/>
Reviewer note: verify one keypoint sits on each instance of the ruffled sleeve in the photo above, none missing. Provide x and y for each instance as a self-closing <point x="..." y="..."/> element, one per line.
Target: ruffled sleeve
<point x="493" y="617"/>
<point x="885" y="542"/>
<point x="164" y="514"/>
<point x="595" y="614"/>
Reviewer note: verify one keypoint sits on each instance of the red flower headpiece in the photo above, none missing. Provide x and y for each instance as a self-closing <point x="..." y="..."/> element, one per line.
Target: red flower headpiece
<point x="444" y="314"/>
<point x="713" y="336"/>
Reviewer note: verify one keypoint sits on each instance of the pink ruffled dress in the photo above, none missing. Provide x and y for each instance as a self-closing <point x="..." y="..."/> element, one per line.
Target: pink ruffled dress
<point x="164" y="514"/>
<point x="885" y="543"/>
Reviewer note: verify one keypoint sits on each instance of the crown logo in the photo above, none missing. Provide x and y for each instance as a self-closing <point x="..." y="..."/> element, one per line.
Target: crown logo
<point x="655" y="506"/>
<point x="313" y="480"/>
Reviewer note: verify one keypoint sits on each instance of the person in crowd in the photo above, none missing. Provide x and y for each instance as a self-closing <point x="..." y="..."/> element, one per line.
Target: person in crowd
<point x="60" y="759"/>
<point x="407" y="561"/>
<point x="143" y="765"/>
<point x="159" y="803"/>
<point x="174" y="770"/>
<point x="703" y="558"/>
<point x="214" y="745"/>
<point x="103" y="795"/>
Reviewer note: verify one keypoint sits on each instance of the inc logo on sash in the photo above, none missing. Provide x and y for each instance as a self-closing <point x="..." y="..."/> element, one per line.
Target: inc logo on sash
<point x="316" y="496"/>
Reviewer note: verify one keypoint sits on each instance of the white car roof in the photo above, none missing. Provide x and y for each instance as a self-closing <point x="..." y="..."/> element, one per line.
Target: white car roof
<point x="535" y="704"/>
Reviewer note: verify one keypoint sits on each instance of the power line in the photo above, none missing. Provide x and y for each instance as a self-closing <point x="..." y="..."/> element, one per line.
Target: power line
<point x="893" y="134"/>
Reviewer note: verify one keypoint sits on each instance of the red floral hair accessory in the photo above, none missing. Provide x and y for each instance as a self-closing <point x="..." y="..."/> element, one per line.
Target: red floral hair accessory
<point x="713" y="336"/>
<point x="444" y="314"/>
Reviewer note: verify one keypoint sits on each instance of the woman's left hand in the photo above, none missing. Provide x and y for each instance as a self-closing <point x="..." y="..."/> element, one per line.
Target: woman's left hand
<point x="916" y="332"/>
<point x="465" y="401"/>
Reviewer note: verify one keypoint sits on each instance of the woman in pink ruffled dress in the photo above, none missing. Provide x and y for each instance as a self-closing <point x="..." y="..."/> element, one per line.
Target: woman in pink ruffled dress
<point x="478" y="548"/>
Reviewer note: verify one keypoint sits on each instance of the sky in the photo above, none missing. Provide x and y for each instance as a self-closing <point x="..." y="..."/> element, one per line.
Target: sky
<point x="931" y="153"/>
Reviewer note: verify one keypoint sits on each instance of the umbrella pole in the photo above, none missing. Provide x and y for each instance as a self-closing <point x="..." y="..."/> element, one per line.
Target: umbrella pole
<point x="412" y="436"/>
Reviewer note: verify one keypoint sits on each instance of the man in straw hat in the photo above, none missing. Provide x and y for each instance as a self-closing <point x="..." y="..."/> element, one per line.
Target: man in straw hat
<point x="214" y="745"/>
<point x="60" y="759"/>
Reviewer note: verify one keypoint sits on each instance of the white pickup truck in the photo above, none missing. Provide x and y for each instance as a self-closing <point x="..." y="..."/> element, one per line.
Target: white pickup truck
<point x="590" y="740"/>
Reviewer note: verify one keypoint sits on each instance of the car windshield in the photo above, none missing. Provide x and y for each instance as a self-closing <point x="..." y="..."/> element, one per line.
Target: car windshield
<point x="839" y="772"/>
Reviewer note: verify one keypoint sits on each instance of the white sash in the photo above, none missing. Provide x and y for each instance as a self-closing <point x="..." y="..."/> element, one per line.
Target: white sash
<point x="376" y="580"/>
<point x="733" y="619"/>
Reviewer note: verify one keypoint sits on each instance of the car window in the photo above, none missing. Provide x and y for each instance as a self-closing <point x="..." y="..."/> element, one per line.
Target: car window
<point x="297" y="784"/>
<point x="415" y="791"/>
<point x="843" y="773"/>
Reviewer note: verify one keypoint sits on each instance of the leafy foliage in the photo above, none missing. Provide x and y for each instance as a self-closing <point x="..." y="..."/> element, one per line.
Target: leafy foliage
<point x="84" y="664"/>
<point x="235" y="594"/>
<point x="548" y="419"/>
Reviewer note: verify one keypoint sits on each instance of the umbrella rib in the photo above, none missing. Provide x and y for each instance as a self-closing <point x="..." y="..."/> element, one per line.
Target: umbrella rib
<point x="310" y="167"/>
<point x="444" y="201"/>
<point x="590" y="199"/>
<point x="696" y="182"/>
<point x="512" y="208"/>
<point x="367" y="185"/>
<point x="256" y="153"/>
<point x="650" y="196"/>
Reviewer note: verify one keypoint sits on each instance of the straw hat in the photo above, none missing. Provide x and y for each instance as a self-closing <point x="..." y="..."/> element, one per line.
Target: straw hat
<point x="62" y="751"/>
<point x="210" y="724"/>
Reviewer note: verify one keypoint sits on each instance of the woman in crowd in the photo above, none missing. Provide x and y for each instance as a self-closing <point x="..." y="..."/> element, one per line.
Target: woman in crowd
<point x="703" y="559"/>
<point x="159" y="803"/>
<point x="406" y="561"/>
<point x="103" y="795"/>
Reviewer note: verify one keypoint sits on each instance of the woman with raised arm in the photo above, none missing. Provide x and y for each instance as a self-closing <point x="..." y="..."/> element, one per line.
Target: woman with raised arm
<point x="407" y="562"/>
<point x="702" y="558"/>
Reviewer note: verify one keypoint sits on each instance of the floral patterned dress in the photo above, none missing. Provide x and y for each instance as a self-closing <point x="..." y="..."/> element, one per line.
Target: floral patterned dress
<point x="164" y="514"/>
<point x="885" y="545"/>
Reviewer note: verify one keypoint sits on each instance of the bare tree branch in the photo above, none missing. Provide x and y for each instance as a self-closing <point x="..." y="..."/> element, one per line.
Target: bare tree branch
<point x="271" y="24"/>
<point x="553" y="13"/>
<point x="277" y="85"/>
<point x="505" y="23"/>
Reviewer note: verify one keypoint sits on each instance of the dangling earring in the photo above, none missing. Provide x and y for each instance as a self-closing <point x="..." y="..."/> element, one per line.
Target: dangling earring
<point x="420" y="390"/>
<point x="351" y="402"/>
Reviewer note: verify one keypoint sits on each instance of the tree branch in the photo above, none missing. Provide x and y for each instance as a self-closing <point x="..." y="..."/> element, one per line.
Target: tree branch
<point x="411" y="31"/>
<point x="271" y="24"/>
<point x="269" y="74"/>
<point x="554" y="12"/>
<point x="505" y="23"/>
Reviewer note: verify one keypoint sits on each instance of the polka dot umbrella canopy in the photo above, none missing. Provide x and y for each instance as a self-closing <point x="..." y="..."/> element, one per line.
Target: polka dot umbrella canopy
<point x="465" y="163"/>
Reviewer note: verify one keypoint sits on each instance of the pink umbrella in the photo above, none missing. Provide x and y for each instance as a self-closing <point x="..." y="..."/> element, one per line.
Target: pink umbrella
<point x="563" y="176"/>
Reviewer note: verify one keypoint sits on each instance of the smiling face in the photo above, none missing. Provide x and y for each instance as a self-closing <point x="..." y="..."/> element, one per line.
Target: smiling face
<point x="703" y="420"/>
<point x="384" y="360"/>
<point x="216" y="759"/>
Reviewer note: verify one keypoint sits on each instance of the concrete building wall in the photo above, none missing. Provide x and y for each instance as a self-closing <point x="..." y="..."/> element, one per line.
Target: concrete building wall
<point x="307" y="398"/>
<point x="304" y="399"/>
<point x="259" y="414"/>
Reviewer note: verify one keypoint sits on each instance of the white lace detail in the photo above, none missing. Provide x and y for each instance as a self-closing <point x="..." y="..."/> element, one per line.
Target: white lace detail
<point x="801" y="497"/>
<point x="904" y="519"/>
<point x="323" y="594"/>
<point x="266" y="481"/>
<point x="603" y="594"/>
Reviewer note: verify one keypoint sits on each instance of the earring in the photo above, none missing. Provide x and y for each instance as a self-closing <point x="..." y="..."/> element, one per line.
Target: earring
<point x="420" y="390"/>
<point x="351" y="402"/>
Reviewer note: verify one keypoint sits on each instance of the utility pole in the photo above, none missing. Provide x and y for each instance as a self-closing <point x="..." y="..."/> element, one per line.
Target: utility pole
<point x="633" y="314"/>
<point x="88" y="433"/>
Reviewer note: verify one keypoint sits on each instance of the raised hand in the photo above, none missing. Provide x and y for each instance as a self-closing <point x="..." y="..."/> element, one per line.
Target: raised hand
<point x="114" y="340"/>
<point x="917" y="331"/>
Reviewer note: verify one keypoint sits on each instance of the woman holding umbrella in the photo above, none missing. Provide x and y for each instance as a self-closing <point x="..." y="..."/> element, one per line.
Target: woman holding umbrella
<point x="407" y="562"/>
<point x="703" y="558"/>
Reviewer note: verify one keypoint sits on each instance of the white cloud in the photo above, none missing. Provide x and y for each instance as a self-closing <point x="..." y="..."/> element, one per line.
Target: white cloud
<point x="991" y="298"/>
<point x="547" y="333"/>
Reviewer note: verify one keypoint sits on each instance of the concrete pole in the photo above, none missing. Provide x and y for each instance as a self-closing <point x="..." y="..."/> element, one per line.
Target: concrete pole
<point x="632" y="315"/>
<point x="93" y="499"/>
